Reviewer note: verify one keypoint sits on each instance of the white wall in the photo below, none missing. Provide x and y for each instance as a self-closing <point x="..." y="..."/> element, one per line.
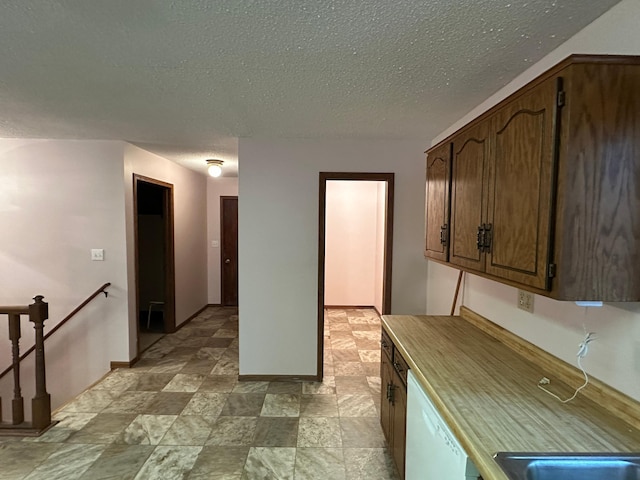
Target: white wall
<point x="58" y="200"/>
<point x="61" y="199"/>
<point x="190" y="232"/>
<point x="352" y="248"/>
<point x="216" y="188"/>
<point x="558" y="326"/>
<point x="380" y="246"/>
<point x="278" y="241"/>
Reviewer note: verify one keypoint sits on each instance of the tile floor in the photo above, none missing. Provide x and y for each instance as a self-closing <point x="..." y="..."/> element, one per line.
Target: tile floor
<point x="180" y="413"/>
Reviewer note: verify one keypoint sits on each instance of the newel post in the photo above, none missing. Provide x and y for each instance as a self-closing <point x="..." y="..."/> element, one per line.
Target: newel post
<point x="41" y="403"/>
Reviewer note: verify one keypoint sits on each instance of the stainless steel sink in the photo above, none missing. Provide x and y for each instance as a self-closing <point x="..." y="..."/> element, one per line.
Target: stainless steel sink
<point x="570" y="466"/>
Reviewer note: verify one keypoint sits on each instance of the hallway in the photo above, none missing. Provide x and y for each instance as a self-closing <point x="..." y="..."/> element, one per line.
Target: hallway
<point x="180" y="413"/>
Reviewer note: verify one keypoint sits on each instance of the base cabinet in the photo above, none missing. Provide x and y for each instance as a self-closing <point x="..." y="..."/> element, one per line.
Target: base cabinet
<point x="393" y="402"/>
<point x="386" y="382"/>
<point x="399" y="423"/>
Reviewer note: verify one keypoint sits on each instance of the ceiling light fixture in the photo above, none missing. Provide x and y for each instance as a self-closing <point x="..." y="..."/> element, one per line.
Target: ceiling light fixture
<point x="215" y="167"/>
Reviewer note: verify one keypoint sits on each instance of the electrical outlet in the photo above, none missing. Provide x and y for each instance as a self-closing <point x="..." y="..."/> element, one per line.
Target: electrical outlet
<point x="525" y="301"/>
<point x="97" y="254"/>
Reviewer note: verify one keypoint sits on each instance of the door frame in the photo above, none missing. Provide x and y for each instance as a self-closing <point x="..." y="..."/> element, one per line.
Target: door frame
<point x="222" y="282"/>
<point x="388" y="246"/>
<point x="169" y="254"/>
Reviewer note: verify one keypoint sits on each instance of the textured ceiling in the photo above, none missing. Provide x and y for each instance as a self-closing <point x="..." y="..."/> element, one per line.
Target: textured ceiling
<point x="185" y="79"/>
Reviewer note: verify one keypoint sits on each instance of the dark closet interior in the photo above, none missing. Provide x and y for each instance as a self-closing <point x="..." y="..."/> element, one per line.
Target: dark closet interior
<point x="151" y="254"/>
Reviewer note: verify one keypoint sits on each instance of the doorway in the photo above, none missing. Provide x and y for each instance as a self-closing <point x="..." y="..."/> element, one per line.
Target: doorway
<point x="387" y="240"/>
<point x="229" y="253"/>
<point x="154" y="254"/>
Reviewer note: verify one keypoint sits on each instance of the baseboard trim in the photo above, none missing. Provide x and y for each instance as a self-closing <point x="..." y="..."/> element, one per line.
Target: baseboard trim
<point x="214" y="305"/>
<point x="351" y="307"/>
<point x="128" y="364"/>
<point x="354" y="307"/>
<point x="279" y="378"/>
<point x="191" y="317"/>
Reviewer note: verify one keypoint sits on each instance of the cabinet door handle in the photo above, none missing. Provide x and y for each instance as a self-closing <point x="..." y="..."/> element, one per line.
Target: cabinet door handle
<point x="483" y="238"/>
<point x="390" y="391"/>
<point x="384" y="344"/>
<point x="398" y="367"/>
<point x="443" y="234"/>
<point x="480" y="237"/>
<point x="486" y="240"/>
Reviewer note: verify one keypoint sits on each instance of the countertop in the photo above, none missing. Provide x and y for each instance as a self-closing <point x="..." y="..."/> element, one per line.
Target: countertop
<point x="488" y="394"/>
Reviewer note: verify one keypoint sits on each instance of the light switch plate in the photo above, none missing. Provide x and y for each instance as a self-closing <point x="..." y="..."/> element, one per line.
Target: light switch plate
<point x="97" y="254"/>
<point x="525" y="301"/>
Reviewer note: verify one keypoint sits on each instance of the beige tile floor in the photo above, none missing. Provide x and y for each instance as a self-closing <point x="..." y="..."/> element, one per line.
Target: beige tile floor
<point x="181" y="413"/>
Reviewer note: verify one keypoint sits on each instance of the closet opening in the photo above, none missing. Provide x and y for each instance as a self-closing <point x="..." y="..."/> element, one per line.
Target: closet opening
<point x="154" y="257"/>
<point x="355" y="244"/>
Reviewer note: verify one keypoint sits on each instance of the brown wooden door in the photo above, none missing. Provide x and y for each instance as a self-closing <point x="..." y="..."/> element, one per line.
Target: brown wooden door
<point x="520" y="185"/>
<point x="437" y="203"/>
<point x="469" y="165"/>
<point x="229" y="253"/>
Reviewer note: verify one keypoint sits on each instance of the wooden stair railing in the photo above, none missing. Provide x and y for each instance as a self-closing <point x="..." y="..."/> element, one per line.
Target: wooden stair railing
<point x="38" y="312"/>
<point x="41" y="404"/>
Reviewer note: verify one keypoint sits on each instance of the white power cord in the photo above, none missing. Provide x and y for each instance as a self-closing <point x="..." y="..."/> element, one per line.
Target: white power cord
<point x="583" y="349"/>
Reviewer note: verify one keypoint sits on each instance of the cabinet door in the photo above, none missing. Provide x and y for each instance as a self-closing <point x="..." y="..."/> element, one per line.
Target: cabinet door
<point x="598" y="236"/>
<point x="399" y="424"/>
<point x="520" y="183"/>
<point x="437" y="203"/>
<point x="469" y="165"/>
<point x="385" y="404"/>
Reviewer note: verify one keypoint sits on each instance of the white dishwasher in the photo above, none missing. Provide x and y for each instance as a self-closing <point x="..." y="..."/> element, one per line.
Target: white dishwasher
<point x="433" y="452"/>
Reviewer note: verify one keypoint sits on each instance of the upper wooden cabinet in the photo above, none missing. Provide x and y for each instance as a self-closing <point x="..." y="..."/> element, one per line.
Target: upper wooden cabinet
<point x="437" y="203"/>
<point x="519" y="188"/>
<point x="545" y="187"/>
<point x="468" y="196"/>
<point x="597" y="236"/>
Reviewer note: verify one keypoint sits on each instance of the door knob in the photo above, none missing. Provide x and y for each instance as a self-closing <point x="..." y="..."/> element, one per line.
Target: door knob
<point x="227" y="261"/>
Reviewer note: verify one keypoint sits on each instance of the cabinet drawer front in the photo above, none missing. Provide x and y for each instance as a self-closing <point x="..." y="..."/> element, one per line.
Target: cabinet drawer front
<point x="400" y="366"/>
<point x="386" y="344"/>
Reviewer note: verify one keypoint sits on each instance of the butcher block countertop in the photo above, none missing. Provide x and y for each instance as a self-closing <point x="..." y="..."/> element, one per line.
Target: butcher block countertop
<point x="484" y="380"/>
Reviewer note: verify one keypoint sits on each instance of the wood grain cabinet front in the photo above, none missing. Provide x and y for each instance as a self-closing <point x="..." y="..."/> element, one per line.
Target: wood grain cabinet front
<point x="519" y="210"/>
<point x="501" y="203"/>
<point x="393" y="401"/>
<point x="468" y="196"/>
<point x="545" y="187"/>
<point x="386" y="385"/>
<point x="597" y="226"/>
<point x="437" y="203"/>
<point x="399" y="402"/>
